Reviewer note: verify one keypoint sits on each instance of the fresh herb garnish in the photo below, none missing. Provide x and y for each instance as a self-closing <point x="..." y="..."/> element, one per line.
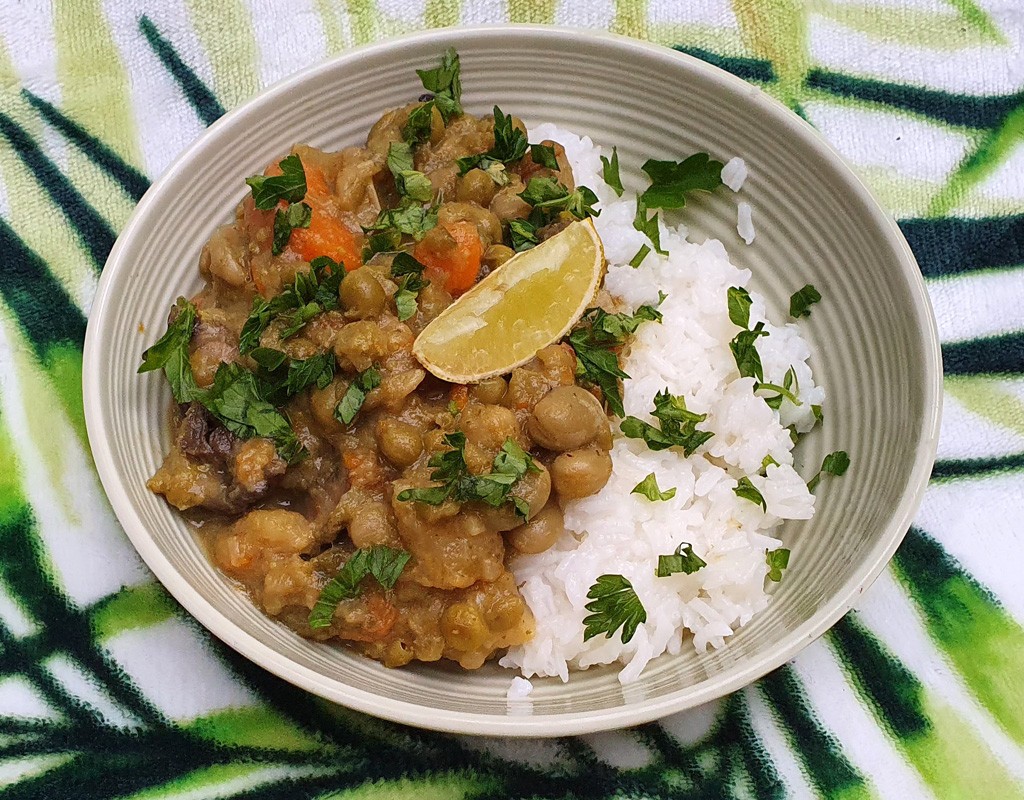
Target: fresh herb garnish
<point x="648" y="487"/>
<point x="614" y="604"/>
<point x="768" y="461"/>
<point x="235" y="399"/>
<point x="412" y="220"/>
<point x="309" y="294"/>
<point x="648" y="227"/>
<point x="296" y="215"/>
<point x="610" y="172"/>
<point x="745" y="489"/>
<point x="800" y="303"/>
<point x="445" y="84"/>
<point x="409" y="273"/>
<point x="641" y="254"/>
<point x="739" y="306"/>
<point x="289" y="186"/>
<point x="552" y="197"/>
<point x="787" y="391"/>
<point x="417" y="127"/>
<point x="408" y="181"/>
<point x="510" y="144"/>
<point x="282" y="378"/>
<point x="671" y="180"/>
<point x="349" y="405"/>
<point x="522" y="234"/>
<point x="170" y="352"/>
<point x="818" y="415"/>
<point x="544" y="155"/>
<point x="385" y="564"/>
<point x="456" y="482"/>
<point x="833" y="464"/>
<point x="777" y="560"/>
<point x="682" y="560"/>
<point x="594" y="341"/>
<point x="678" y="426"/>
<point x="748" y="360"/>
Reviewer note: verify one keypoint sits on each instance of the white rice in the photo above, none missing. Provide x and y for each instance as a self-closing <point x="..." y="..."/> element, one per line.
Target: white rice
<point x="734" y="173"/>
<point x="745" y="223"/>
<point x="618" y="532"/>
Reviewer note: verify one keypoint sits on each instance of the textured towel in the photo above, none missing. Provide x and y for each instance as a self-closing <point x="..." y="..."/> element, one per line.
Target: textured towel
<point x="107" y="689"/>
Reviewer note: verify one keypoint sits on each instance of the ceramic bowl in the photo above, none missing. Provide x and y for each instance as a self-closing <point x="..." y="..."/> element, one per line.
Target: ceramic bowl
<point x="874" y="342"/>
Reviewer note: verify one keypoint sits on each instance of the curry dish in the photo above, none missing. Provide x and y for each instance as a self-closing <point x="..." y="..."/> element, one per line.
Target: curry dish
<point x="310" y="448"/>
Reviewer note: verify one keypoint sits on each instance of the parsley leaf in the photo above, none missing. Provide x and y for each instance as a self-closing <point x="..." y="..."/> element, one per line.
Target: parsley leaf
<point x="412" y="220"/>
<point x="235" y="399"/>
<point x="648" y="227"/>
<point x="445" y="83"/>
<point x="494" y="488"/>
<point x="594" y="340"/>
<point x="748" y="360"/>
<point x="282" y="378"/>
<point x="739" y="306"/>
<point x="551" y="197"/>
<point x="385" y="564"/>
<point x="522" y="234"/>
<point x="677" y="425"/>
<point x="296" y="215"/>
<point x="408" y="181"/>
<point x="641" y="254"/>
<point x="170" y="353"/>
<point x="544" y="155"/>
<point x="289" y="186"/>
<point x="417" y="128"/>
<point x="745" y="489"/>
<point x="648" y="487"/>
<point x="833" y="464"/>
<point x="768" y="461"/>
<point x="777" y="560"/>
<point x="610" y="172"/>
<point x="349" y="405"/>
<point x="682" y="560"/>
<point x="614" y="604"/>
<point x="510" y="144"/>
<point x="309" y="294"/>
<point x="409" y="273"/>
<point x="671" y="180"/>
<point x="818" y="415"/>
<point x="800" y="303"/>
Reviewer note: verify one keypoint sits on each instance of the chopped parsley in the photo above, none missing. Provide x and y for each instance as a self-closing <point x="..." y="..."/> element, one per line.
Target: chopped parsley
<point x="354" y="397"/>
<point x="282" y="378"/>
<point x="296" y="215"/>
<point x="384" y="564"/>
<point x="648" y="487"/>
<point x="235" y="399"/>
<point x="510" y="145"/>
<point x="641" y="254"/>
<point x="748" y="360"/>
<point x="787" y="391"/>
<point x="614" y="604"/>
<point x="648" y="227"/>
<point x="777" y="560"/>
<point x="409" y="274"/>
<point x="671" y="180"/>
<point x="768" y="461"/>
<point x="456" y="482"/>
<point x="818" y="415"/>
<point x="288" y="187"/>
<point x="801" y="301"/>
<point x="682" y="560"/>
<point x="677" y="425"/>
<point x="408" y="181"/>
<point x="170" y="353"/>
<point x="445" y="83"/>
<point x="739" y="306"/>
<point x="610" y="172"/>
<point x="522" y="234"/>
<point x="543" y="155"/>
<point x="745" y="489"/>
<point x="311" y="293"/>
<point x="418" y="126"/>
<point x="833" y="464"/>
<point x="595" y="340"/>
<point x="551" y="197"/>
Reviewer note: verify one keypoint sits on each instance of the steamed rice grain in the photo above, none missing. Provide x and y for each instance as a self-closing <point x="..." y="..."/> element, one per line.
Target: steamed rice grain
<point x="618" y="532"/>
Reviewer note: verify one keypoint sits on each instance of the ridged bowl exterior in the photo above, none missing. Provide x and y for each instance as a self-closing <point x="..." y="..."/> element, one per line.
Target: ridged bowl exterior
<point x="873" y="337"/>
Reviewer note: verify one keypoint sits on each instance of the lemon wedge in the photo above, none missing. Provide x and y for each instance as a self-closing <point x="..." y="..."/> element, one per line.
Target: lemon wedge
<point x="529" y="302"/>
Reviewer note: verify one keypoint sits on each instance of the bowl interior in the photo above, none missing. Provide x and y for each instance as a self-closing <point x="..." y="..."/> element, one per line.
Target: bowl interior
<point x="873" y="338"/>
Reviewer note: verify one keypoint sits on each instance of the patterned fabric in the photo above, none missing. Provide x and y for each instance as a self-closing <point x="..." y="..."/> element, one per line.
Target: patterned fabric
<point x="107" y="689"/>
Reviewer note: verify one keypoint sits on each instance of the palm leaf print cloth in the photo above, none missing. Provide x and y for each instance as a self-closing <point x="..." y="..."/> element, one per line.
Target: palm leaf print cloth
<point x="108" y="690"/>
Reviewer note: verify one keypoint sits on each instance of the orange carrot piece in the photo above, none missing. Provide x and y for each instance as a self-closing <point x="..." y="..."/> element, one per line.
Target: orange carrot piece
<point x="457" y="269"/>
<point x="459" y="394"/>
